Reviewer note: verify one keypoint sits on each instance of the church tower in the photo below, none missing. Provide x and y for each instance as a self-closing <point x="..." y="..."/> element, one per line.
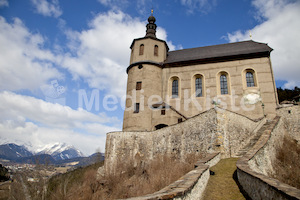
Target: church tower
<point x="144" y="84"/>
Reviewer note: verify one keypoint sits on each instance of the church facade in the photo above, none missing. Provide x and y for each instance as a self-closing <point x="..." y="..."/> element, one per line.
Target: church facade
<point x="167" y="87"/>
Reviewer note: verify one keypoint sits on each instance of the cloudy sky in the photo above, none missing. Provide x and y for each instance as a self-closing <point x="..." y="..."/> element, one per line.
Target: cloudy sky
<point x="63" y="62"/>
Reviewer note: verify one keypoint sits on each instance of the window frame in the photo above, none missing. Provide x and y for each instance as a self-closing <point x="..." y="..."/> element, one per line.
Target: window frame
<point x="155" y="50"/>
<point x="138" y="85"/>
<point x="223" y="83"/>
<point x="141" y="50"/>
<point x="175" y="89"/>
<point x="197" y="85"/>
<point x="136" y="108"/>
<point x="250" y="82"/>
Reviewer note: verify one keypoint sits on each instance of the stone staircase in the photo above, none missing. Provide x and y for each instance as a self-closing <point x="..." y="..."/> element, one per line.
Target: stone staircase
<point x="253" y="140"/>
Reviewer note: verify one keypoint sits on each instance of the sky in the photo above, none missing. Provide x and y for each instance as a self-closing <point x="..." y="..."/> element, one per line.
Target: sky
<point x="63" y="62"/>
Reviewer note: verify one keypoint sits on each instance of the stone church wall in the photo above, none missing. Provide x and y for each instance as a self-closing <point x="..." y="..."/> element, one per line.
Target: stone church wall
<point x="215" y="130"/>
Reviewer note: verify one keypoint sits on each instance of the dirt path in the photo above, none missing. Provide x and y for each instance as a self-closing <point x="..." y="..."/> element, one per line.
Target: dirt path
<point x="222" y="185"/>
<point x="25" y="189"/>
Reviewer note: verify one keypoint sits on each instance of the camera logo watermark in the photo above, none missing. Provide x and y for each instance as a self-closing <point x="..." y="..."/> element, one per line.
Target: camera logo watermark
<point x="91" y="101"/>
<point x="54" y="92"/>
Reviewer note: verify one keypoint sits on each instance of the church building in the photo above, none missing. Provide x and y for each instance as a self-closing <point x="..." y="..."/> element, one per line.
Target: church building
<point x="167" y="87"/>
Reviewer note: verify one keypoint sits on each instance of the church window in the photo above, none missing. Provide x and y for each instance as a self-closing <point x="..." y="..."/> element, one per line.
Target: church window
<point x="137" y="108"/>
<point x="223" y="84"/>
<point x="138" y="85"/>
<point x="163" y="112"/>
<point x="155" y="50"/>
<point x="175" y="89"/>
<point x="198" y="87"/>
<point x="141" y="49"/>
<point x="250" y="79"/>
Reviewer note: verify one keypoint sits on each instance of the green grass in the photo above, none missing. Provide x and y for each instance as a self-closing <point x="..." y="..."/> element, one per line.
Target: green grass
<point x="222" y="185"/>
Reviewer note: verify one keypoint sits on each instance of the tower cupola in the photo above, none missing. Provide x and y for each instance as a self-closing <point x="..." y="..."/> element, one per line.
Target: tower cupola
<point x="151" y="26"/>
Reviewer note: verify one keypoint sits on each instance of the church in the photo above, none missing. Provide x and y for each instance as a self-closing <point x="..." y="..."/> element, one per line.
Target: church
<point x="168" y="87"/>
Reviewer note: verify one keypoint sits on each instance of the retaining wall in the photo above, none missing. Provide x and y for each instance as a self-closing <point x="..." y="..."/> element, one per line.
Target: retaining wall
<point x="189" y="187"/>
<point x="216" y="130"/>
<point x="253" y="168"/>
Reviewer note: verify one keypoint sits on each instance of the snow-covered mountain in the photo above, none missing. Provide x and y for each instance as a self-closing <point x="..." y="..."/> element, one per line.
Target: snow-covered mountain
<point x="12" y="151"/>
<point x="60" y="151"/>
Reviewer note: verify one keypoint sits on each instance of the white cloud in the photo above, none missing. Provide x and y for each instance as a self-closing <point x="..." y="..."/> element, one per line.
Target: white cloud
<point x="27" y="120"/>
<point x="198" y="5"/>
<point x="3" y="3"/>
<point x="47" y="8"/>
<point x="24" y="63"/>
<point x="101" y="53"/>
<point x="281" y="30"/>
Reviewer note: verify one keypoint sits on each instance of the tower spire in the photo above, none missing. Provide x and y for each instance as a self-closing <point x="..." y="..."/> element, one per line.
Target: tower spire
<point x="151" y="26"/>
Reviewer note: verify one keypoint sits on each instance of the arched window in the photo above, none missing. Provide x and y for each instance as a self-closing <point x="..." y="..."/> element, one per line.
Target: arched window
<point x="223" y="84"/>
<point x="250" y="76"/>
<point x="155" y="50"/>
<point x="175" y="88"/>
<point x="250" y="79"/>
<point x="198" y="87"/>
<point x="141" y="49"/>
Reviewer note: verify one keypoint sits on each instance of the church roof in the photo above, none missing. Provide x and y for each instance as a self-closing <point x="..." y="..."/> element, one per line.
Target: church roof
<point x="219" y="52"/>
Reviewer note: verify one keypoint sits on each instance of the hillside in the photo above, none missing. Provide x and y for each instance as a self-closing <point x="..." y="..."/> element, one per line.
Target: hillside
<point x="59" y="186"/>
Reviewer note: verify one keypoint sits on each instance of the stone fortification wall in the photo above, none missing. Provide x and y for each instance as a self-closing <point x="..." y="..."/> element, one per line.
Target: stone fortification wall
<point x="291" y="118"/>
<point x="215" y="130"/>
<point x="254" y="167"/>
<point x="234" y="131"/>
<point x="193" y="136"/>
<point x="189" y="187"/>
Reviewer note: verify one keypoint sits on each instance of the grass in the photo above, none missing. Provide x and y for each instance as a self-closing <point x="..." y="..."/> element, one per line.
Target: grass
<point x="222" y="185"/>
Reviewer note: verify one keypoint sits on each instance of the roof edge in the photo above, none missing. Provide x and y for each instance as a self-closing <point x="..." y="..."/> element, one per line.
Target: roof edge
<point x="216" y="59"/>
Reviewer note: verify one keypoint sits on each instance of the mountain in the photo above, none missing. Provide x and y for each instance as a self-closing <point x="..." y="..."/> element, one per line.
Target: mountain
<point x="37" y="159"/>
<point x="61" y="151"/>
<point x="13" y="152"/>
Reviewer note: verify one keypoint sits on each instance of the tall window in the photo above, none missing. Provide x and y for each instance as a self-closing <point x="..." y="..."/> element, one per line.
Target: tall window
<point x="223" y="84"/>
<point x="156" y="50"/>
<point x="137" y="108"/>
<point x="175" y="89"/>
<point x="250" y="79"/>
<point x="198" y="87"/>
<point x="141" y="49"/>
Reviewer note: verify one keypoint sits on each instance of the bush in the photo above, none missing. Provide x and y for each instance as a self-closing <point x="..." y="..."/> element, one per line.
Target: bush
<point x="129" y="180"/>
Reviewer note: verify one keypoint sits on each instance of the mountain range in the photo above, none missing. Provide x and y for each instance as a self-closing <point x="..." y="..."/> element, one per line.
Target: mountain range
<point x="58" y="153"/>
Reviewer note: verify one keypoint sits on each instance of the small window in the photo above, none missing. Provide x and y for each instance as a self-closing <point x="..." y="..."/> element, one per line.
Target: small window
<point x="155" y="50"/>
<point x="198" y="87"/>
<point x="175" y="89"/>
<point x="141" y="49"/>
<point x="250" y="79"/>
<point x="223" y="84"/>
<point x="138" y="85"/>
<point x="179" y="120"/>
<point x="140" y="66"/>
<point x="137" y="108"/>
<point x="163" y="112"/>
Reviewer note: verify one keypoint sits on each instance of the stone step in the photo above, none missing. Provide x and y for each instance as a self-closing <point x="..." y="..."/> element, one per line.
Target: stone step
<point x="253" y="140"/>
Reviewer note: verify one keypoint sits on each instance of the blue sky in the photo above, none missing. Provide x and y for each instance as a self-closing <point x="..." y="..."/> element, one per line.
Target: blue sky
<point x="63" y="62"/>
